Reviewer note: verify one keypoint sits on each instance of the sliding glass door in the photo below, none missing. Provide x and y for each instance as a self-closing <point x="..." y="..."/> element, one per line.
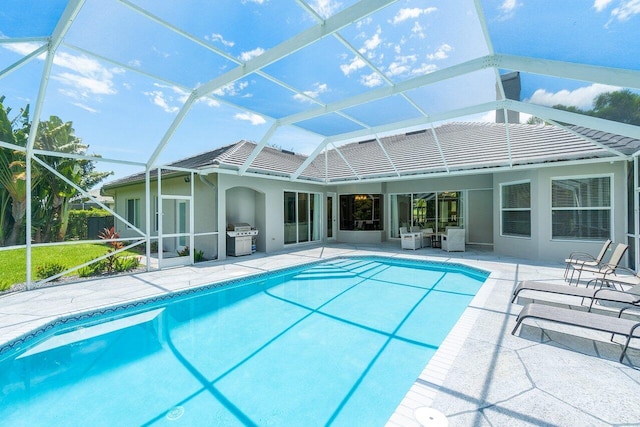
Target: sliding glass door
<point x="302" y="217"/>
<point x="435" y="210"/>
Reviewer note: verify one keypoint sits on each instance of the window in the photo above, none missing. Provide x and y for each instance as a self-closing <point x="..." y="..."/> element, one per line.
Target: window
<point x="302" y="217"/>
<point x="360" y="212"/>
<point x="133" y="212"/>
<point x="581" y="208"/>
<point x="515" y="209"/>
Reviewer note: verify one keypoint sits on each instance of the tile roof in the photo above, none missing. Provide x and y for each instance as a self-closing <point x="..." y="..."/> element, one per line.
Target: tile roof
<point x="447" y="148"/>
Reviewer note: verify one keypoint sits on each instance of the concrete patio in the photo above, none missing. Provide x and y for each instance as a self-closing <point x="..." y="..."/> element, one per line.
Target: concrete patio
<point x="480" y="376"/>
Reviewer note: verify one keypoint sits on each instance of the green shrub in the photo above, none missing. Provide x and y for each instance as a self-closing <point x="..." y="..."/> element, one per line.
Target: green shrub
<point x="4" y="285"/>
<point x="49" y="269"/>
<point x="198" y="255"/>
<point x="91" y="269"/>
<point x="128" y="263"/>
<point x="79" y="220"/>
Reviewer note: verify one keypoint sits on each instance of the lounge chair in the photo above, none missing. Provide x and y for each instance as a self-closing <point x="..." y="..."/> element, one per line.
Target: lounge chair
<point x="583" y="319"/>
<point x="583" y="258"/>
<point x="631" y="296"/>
<point x="600" y="270"/>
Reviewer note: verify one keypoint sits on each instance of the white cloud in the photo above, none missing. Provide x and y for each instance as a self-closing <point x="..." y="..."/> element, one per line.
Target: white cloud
<point x="402" y="65"/>
<point x="135" y="63"/>
<point x="325" y="8"/>
<point x="366" y="21"/>
<point x="600" y="5"/>
<point x="251" y="117"/>
<point x="507" y="9"/>
<point x="85" y="107"/>
<point x="626" y="10"/>
<point x="424" y="69"/>
<point x="231" y="89"/>
<point x="246" y="56"/>
<point x="318" y="88"/>
<point x="81" y="76"/>
<point x="371" y="80"/>
<point x="417" y="30"/>
<point x="581" y="97"/>
<point x="171" y="98"/>
<point x="355" y="64"/>
<point x="441" y="53"/>
<point x="159" y="98"/>
<point x="413" y="13"/>
<point x="160" y="52"/>
<point x="253" y="1"/>
<point x="374" y="41"/>
<point x="218" y="38"/>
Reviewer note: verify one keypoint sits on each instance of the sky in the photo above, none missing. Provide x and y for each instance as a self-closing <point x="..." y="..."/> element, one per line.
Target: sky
<point x="122" y="78"/>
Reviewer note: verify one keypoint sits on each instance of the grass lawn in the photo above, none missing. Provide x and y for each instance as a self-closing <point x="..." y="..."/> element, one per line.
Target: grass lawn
<point x="14" y="261"/>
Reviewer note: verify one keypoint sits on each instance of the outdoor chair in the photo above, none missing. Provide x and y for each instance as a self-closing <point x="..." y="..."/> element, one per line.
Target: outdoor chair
<point x="427" y="236"/>
<point x="410" y="240"/>
<point x="630" y="296"/>
<point x="453" y="240"/>
<point x="602" y="269"/>
<point x="583" y="258"/>
<point x="583" y="319"/>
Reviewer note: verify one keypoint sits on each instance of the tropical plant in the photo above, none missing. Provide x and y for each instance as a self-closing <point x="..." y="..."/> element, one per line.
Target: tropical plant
<point x="13" y="174"/>
<point x="49" y="269"/>
<point x="54" y="193"/>
<point x="50" y="193"/>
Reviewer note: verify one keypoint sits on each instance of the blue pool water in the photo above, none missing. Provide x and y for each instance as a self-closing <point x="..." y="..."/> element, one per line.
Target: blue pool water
<point x="337" y="343"/>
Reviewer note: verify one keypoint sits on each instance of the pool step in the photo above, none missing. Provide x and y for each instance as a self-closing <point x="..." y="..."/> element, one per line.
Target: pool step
<point x="324" y="272"/>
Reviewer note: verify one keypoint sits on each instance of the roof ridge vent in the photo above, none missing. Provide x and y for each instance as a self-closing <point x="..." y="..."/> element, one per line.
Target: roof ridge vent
<point x="287" y="152"/>
<point x="367" y="141"/>
<point x="416" y="132"/>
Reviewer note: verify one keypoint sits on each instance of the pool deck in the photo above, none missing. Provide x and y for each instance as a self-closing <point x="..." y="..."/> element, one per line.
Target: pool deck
<point x="480" y="376"/>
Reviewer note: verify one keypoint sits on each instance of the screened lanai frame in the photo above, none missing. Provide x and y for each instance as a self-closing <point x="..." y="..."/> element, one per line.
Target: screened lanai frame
<point x="325" y="27"/>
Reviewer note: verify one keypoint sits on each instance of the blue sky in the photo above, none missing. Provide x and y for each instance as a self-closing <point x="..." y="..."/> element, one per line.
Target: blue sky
<point x="123" y="114"/>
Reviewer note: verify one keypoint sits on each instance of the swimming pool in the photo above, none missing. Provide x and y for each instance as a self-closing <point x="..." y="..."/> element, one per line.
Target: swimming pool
<point x="338" y="342"/>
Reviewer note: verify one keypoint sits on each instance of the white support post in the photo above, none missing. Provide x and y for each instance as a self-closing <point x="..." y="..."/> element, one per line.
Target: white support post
<point x="147" y="192"/>
<point x="192" y="216"/>
<point x="636" y="212"/>
<point x="160" y="219"/>
<point x="28" y="217"/>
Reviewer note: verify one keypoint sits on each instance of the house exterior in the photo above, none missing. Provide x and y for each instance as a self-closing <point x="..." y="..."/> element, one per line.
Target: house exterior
<point x="533" y="191"/>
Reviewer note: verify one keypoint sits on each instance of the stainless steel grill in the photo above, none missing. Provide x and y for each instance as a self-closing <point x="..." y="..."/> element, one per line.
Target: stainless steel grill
<point x="240" y="237"/>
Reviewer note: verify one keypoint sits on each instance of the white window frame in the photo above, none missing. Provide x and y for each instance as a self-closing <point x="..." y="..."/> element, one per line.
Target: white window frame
<point x="611" y="207"/>
<point x="136" y="212"/>
<point x="514" y="236"/>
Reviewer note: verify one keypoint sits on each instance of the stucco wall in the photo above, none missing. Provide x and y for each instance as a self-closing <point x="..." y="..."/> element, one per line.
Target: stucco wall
<point x="263" y="207"/>
<point x="541" y="246"/>
<point x="204" y="211"/>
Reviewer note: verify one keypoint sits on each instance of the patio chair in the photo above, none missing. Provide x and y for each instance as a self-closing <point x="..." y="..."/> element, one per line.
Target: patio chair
<point x="583" y="319"/>
<point x="427" y="236"/>
<point x="601" y="269"/>
<point x="453" y="240"/>
<point x="630" y="296"/>
<point x="579" y="258"/>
